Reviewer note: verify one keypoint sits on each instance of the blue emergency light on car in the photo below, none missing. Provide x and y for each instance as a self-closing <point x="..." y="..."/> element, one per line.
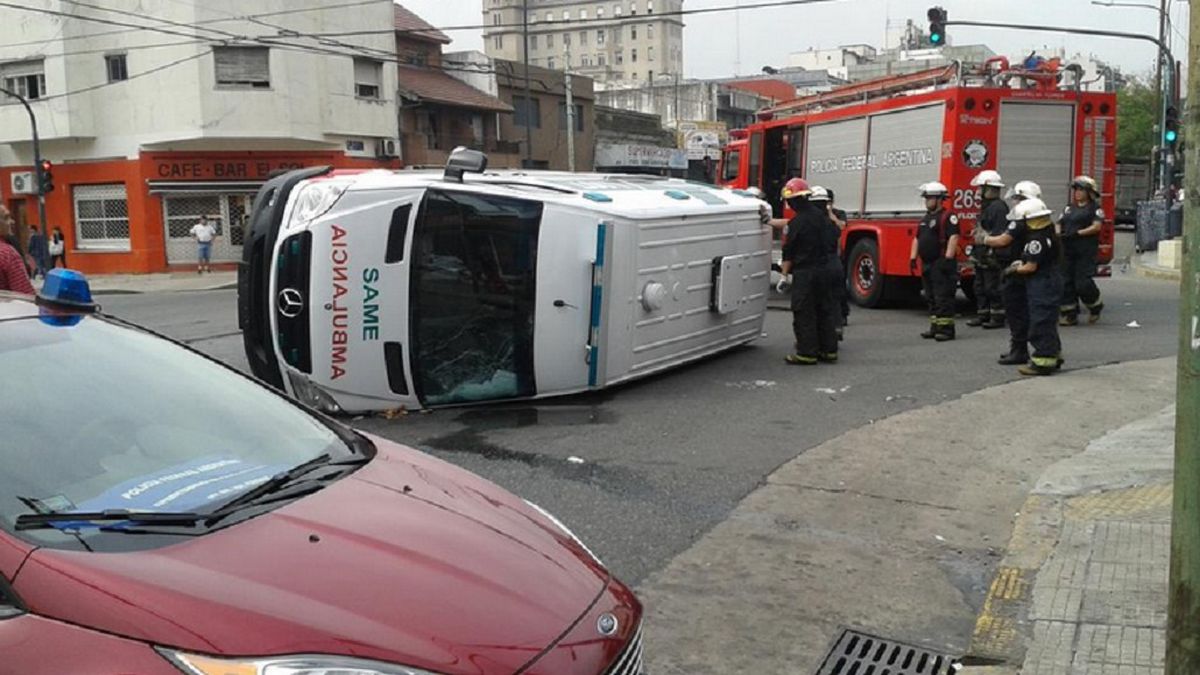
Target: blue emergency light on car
<point x="66" y="289"/>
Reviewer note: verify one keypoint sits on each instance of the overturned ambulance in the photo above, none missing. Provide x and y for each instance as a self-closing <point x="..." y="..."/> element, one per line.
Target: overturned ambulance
<point x="374" y="290"/>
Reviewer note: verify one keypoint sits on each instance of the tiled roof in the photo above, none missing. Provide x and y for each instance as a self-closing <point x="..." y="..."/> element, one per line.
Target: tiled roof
<point x="431" y="84"/>
<point x="413" y="26"/>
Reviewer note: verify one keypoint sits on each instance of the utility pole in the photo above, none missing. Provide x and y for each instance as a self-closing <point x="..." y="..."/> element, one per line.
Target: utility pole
<point x="1183" y="604"/>
<point x="1164" y="98"/>
<point x="528" y="96"/>
<point x="37" y="158"/>
<point x="570" y="112"/>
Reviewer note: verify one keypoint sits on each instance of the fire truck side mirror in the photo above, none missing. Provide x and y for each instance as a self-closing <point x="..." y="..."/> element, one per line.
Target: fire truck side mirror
<point x="463" y="160"/>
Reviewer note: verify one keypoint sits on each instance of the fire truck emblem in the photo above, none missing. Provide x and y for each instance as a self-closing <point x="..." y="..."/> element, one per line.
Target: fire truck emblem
<point x="975" y="154"/>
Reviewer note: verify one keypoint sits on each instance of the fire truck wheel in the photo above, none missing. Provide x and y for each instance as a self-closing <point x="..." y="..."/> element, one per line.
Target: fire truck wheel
<point x="866" y="281"/>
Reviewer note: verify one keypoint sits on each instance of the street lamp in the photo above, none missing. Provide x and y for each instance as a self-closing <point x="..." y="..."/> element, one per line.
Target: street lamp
<point x="37" y="156"/>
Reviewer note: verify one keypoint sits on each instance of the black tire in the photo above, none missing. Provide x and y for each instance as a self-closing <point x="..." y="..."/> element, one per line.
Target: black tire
<point x="866" y="284"/>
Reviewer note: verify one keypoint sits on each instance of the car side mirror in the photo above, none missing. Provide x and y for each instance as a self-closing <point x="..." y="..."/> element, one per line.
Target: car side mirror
<point x="463" y="160"/>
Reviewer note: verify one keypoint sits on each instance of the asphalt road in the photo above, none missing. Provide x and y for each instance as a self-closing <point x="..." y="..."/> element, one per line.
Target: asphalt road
<point x="639" y="472"/>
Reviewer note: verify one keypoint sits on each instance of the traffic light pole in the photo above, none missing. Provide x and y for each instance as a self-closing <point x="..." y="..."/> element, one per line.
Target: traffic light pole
<point x="1166" y="96"/>
<point x="1183" y="604"/>
<point x="37" y="159"/>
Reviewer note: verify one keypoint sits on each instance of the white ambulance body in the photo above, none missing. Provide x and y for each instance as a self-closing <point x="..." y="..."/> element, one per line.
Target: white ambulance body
<point x="380" y="290"/>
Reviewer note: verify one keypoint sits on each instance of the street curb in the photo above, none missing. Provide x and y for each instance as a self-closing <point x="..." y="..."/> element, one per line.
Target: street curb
<point x="129" y="291"/>
<point x="1154" y="272"/>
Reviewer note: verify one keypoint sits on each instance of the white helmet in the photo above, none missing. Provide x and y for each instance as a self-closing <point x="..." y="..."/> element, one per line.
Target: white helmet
<point x="1028" y="209"/>
<point x="818" y="194"/>
<point x="1025" y="189"/>
<point x="987" y="178"/>
<point x="934" y="189"/>
<point x="1086" y="183"/>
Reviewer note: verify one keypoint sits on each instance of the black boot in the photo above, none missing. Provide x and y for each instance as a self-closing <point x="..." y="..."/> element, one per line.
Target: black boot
<point x="1093" y="311"/>
<point x="1016" y="357"/>
<point x="931" y="333"/>
<point x="996" y="320"/>
<point x="979" y="320"/>
<point x="944" y="333"/>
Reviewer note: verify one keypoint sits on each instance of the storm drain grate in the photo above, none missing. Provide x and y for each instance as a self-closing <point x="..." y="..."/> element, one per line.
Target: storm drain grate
<point x="855" y="653"/>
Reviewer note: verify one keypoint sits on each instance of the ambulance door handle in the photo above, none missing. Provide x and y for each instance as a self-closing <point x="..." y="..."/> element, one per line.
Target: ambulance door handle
<point x="563" y="303"/>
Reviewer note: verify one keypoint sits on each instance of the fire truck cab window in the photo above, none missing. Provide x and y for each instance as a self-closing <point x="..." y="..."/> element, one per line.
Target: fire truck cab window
<point x="472" y="297"/>
<point x="775" y="167"/>
<point x="729" y="167"/>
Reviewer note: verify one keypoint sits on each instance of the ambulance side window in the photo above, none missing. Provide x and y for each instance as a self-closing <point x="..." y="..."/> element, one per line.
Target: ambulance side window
<point x="729" y="166"/>
<point x="472" y="295"/>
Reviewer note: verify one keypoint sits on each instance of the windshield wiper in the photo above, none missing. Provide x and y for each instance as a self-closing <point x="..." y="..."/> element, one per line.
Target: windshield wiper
<point x="34" y="521"/>
<point x="275" y="486"/>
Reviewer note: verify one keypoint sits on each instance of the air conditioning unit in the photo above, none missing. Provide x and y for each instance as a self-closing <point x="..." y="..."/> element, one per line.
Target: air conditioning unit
<point x="23" y="183"/>
<point x="387" y="148"/>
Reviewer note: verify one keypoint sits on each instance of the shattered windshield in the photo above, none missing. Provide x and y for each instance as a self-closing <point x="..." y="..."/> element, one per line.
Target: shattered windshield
<point x="473" y="287"/>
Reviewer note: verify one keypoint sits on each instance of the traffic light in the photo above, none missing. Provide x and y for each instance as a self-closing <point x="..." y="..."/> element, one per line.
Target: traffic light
<point x="1171" y="127"/>
<point x="937" y="26"/>
<point x="45" y="177"/>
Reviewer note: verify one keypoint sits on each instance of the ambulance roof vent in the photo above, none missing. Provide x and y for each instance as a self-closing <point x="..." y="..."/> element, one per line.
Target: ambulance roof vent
<point x="463" y="160"/>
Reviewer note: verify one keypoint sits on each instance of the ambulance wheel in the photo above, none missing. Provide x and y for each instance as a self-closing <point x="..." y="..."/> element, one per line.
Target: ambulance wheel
<point x="866" y="280"/>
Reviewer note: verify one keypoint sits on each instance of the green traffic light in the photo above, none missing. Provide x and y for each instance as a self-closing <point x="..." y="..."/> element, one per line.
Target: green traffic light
<point x="935" y="38"/>
<point x="1171" y="136"/>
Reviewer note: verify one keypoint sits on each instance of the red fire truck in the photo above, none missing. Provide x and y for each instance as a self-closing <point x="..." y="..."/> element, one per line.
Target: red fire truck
<point x="875" y="142"/>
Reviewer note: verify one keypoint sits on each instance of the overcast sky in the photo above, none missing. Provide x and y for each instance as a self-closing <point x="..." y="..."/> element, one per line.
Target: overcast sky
<point x="769" y="34"/>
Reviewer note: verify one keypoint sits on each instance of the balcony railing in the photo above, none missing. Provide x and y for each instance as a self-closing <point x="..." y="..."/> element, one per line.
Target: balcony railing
<point x="448" y="142"/>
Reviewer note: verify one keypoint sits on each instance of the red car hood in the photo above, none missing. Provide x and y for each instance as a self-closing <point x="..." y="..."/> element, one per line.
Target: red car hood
<point x="409" y="560"/>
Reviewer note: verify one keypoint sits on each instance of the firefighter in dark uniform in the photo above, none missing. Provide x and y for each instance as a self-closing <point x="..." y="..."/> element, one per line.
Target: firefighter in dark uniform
<point x="805" y="268"/>
<point x="992" y="220"/>
<point x="1039" y="265"/>
<point x="1079" y="228"/>
<point x="838" y="216"/>
<point x="936" y="244"/>
<point x="1008" y="247"/>
<point x="835" y="268"/>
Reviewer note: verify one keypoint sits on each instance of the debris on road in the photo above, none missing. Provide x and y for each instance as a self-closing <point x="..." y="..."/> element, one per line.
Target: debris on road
<point x="1133" y="324"/>
<point x="575" y="460"/>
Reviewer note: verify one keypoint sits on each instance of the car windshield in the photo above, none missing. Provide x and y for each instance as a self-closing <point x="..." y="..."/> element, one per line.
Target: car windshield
<point x="100" y="416"/>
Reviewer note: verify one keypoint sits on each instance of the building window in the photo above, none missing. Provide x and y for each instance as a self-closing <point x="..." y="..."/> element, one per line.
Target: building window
<point x="633" y="32"/>
<point x="583" y="15"/>
<point x="26" y="78"/>
<point x="599" y="12"/>
<point x="633" y="55"/>
<point x="533" y="17"/>
<point x="649" y="6"/>
<point x="101" y="217"/>
<point x="583" y="37"/>
<point x="527" y="109"/>
<point x="649" y="31"/>
<point x="649" y="75"/>
<point x="498" y="42"/>
<point x="549" y="40"/>
<point x="585" y="60"/>
<point x="533" y="42"/>
<point x="619" y="57"/>
<point x="243" y="67"/>
<point x="616" y="10"/>
<point x="562" y="116"/>
<point x="566" y="39"/>
<point x="600" y="59"/>
<point x="600" y="36"/>
<point x="495" y="18"/>
<point x="566" y="15"/>
<point x="115" y="64"/>
<point x="368" y="78"/>
<point x="550" y="62"/>
<point x="649" y="53"/>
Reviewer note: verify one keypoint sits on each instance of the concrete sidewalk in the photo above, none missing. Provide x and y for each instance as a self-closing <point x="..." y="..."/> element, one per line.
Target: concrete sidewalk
<point x="108" y="284"/>
<point x="898" y="528"/>
<point x="1146" y="265"/>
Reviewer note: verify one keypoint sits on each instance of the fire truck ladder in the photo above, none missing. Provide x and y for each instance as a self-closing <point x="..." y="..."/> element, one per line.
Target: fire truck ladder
<point x="865" y="91"/>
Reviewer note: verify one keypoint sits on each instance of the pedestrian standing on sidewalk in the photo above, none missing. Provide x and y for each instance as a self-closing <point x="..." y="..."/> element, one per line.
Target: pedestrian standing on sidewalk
<point x="833" y="266"/>
<point x="204" y="233"/>
<point x="1008" y="247"/>
<point x="936" y="244"/>
<point x="57" y="249"/>
<point x="838" y="217"/>
<point x="1080" y="227"/>
<point x="39" y="250"/>
<point x="13" y="274"/>
<point x="805" y="256"/>
<point x="1040" y="266"/>
<point x="992" y="220"/>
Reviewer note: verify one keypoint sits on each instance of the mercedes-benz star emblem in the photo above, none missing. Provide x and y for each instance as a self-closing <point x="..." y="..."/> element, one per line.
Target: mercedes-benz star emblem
<point x="607" y="624"/>
<point x="291" y="303"/>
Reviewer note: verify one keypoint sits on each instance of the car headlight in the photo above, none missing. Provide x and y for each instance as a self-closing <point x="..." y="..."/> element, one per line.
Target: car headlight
<point x="315" y="199"/>
<point x="565" y="530"/>
<point x="312" y="395"/>
<point x="285" y="665"/>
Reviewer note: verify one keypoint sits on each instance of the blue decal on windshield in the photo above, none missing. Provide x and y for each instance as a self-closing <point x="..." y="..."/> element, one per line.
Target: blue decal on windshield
<point x="185" y="487"/>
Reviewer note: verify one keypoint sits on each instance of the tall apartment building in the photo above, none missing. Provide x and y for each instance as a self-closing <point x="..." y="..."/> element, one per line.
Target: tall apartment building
<point x="609" y="41"/>
<point x="182" y="112"/>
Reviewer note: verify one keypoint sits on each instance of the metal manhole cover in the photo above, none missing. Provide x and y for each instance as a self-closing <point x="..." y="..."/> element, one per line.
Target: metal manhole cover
<point x="855" y="653"/>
